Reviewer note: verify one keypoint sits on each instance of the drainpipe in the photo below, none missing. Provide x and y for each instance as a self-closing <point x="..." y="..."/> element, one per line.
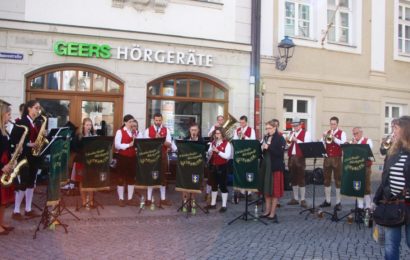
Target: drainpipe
<point x="255" y="63"/>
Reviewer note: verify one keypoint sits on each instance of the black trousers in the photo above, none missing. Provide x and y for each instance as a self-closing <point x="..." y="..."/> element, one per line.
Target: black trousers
<point x="28" y="174"/>
<point x="219" y="177"/>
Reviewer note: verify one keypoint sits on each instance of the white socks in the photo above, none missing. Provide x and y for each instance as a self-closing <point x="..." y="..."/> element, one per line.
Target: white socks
<point x="213" y="198"/>
<point x="327" y="194"/>
<point x="338" y="197"/>
<point x="295" y="192"/>
<point x="368" y="201"/>
<point x="162" y="190"/>
<point x="130" y="189"/>
<point x="302" y="193"/>
<point x="120" y="191"/>
<point x="19" y="198"/>
<point x="360" y="203"/>
<point x="224" y="199"/>
<point x="29" y="199"/>
<point x="149" y="193"/>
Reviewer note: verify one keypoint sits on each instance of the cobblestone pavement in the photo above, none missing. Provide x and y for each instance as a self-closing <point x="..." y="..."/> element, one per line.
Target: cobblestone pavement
<point x="168" y="234"/>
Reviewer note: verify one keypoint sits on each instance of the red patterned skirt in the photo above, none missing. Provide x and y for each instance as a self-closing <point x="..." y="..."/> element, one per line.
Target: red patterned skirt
<point x="6" y="194"/>
<point x="278" y="187"/>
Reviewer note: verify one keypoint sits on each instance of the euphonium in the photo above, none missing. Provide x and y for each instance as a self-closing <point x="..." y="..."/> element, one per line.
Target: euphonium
<point x="329" y="138"/>
<point x="386" y="144"/>
<point x="41" y="139"/>
<point x="7" y="179"/>
<point x="229" y="127"/>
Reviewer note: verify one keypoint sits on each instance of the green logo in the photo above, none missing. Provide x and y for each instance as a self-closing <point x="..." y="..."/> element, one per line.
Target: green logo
<point x="87" y="50"/>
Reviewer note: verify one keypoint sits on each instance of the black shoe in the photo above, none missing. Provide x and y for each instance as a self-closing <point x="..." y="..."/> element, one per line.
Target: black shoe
<point x="325" y="204"/>
<point x="223" y="210"/>
<point x="338" y="206"/>
<point x="264" y="216"/>
<point x="210" y="207"/>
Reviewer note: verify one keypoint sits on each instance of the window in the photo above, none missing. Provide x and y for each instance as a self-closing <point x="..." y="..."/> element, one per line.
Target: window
<point x="339" y="19"/>
<point x="184" y="99"/>
<point x="71" y="93"/>
<point x="300" y="107"/>
<point x="297" y="19"/>
<point x="391" y="111"/>
<point x="404" y="28"/>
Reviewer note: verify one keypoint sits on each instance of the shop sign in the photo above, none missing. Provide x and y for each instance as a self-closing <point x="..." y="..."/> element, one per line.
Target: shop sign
<point x="133" y="53"/>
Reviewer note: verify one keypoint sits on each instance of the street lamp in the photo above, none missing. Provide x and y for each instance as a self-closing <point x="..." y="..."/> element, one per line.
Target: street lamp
<point x="286" y="48"/>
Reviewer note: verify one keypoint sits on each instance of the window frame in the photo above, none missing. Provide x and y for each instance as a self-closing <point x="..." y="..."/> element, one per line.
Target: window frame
<point x="308" y="115"/>
<point x="387" y="120"/>
<point x="297" y="19"/>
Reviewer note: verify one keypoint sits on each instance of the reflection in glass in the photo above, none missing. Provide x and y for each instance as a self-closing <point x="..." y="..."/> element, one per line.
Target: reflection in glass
<point x="53" y="80"/>
<point x="219" y="94"/>
<point x="207" y="90"/>
<point x="84" y="81"/>
<point x="102" y="115"/>
<point x="69" y="80"/>
<point x="288" y="105"/>
<point x="37" y="83"/>
<point x="58" y="111"/>
<point x="182" y="88"/>
<point x="98" y="83"/>
<point x="113" y="86"/>
<point x="194" y="88"/>
<point x="154" y="89"/>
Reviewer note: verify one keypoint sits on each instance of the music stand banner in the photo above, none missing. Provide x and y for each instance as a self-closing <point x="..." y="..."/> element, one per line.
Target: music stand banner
<point x="97" y="158"/>
<point x="149" y="162"/>
<point x="190" y="166"/>
<point x="65" y="134"/>
<point x="245" y="164"/>
<point x="354" y="170"/>
<point x="56" y="169"/>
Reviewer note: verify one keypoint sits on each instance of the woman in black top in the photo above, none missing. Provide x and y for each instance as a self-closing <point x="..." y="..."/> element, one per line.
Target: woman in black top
<point x="273" y="165"/>
<point x="395" y="180"/>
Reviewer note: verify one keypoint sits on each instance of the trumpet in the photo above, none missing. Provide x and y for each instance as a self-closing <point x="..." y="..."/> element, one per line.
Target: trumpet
<point x="353" y="141"/>
<point x="386" y="144"/>
<point x="289" y="139"/>
<point x="329" y="138"/>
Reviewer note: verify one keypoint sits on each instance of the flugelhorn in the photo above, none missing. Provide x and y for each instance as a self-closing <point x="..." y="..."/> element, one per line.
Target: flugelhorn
<point x="386" y="144"/>
<point x="7" y="179"/>
<point x="289" y="139"/>
<point x="329" y="138"/>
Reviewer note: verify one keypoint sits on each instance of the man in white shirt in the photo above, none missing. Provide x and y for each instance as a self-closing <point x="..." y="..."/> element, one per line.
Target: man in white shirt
<point x="297" y="162"/>
<point x="244" y="132"/>
<point x="219" y="123"/>
<point x="358" y="138"/>
<point x="157" y="130"/>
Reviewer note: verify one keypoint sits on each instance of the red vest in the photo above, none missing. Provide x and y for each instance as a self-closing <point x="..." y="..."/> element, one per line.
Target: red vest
<point x="333" y="149"/>
<point x="216" y="159"/>
<point x="247" y="133"/>
<point x="368" y="162"/>
<point x="300" y="137"/>
<point x="126" y="139"/>
<point x="33" y="132"/>
<point x="162" y="132"/>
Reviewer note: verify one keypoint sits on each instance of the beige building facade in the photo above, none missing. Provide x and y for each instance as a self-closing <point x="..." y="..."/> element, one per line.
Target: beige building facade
<point x="351" y="60"/>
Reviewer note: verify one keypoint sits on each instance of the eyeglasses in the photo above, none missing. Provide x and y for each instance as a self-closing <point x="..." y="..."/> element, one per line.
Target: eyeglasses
<point x="268" y="128"/>
<point x="356" y="133"/>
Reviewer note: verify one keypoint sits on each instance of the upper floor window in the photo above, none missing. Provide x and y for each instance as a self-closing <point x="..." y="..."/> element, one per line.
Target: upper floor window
<point x="404" y="27"/>
<point x="339" y="19"/>
<point x="298" y="19"/>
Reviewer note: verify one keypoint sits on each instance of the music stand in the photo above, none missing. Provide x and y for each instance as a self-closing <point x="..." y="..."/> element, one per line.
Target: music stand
<point x="355" y="210"/>
<point x="312" y="150"/>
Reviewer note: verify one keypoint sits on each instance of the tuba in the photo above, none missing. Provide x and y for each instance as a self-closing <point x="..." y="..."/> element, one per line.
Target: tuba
<point x="7" y="179"/>
<point x="229" y="127"/>
<point x="41" y="139"/>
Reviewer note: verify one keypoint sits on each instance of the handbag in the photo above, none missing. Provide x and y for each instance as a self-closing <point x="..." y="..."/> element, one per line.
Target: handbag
<point x="390" y="213"/>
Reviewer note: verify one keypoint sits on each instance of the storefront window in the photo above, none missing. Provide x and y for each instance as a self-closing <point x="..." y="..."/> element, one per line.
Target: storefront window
<point x="57" y="112"/>
<point x="102" y="115"/>
<point x="187" y="100"/>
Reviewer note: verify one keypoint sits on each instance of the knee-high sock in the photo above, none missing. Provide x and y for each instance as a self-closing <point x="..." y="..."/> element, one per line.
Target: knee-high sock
<point x="208" y="189"/>
<point x="29" y="199"/>
<point x="130" y="189"/>
<point x="162" y="191"/>
<point x="224" y="199"/>
<point x="19" y="198"/>
<point x="327" y="193"/>
<point x="302" y="193"/>
<point x="360" y="203"/>
<point x="367" y="201"/>
<point x="295" y="192"/>
<point x="213" y="198"/>
<point x="149" y="193"/>
<point x="120" y="191"/>
<point x="338" y="197"/>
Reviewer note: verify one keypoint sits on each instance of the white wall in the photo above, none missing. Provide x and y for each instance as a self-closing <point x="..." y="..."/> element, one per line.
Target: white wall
<point x="228" y="21"/>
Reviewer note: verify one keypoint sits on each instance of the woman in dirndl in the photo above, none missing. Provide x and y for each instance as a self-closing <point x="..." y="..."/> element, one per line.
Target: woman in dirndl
<point x="5" y="167"/>
<point x="272" y="167"/>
